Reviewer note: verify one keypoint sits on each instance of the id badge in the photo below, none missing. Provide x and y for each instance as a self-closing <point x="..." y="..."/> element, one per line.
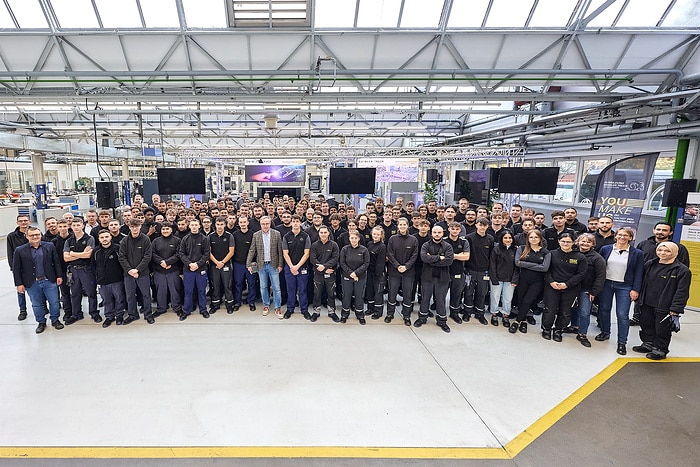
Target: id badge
<point x="327" y="276"/>
<point x="304" y="271"/>
<point x="487" y="278"/>
<point x="202" y="272"/>
<point x="226" y="268"/>
<point x="458" y="276"/>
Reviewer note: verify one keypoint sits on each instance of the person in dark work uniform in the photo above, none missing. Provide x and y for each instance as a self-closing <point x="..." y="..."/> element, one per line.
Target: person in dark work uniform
<point x="551" y="234"/>
<point x="59" y="242"/>
<point x="222" y="247"/>
<point x="533" y="260"/>
<point x="167" y="267"/>
<point x="77" y="252"/>
<point x="354" y="261"/>
<point x="324" y="257"/>
<point x="135" y="254"/>
<point x="423" y="235"/>
<point x="567" y="269"/>
<point x="110" y="278"/>
<point x="437" y="256"/>
<point x="243" y="238"/>
<point x="665" y="292"/>
<point x="296" y="248"/>
<point x="376" y="274"/>
<point x="402" y="251"/>
<point x="37" y="271"/>
<point x="480" y="246"/>
<point x="194" y="254"/>
<point x="460" y="248"/>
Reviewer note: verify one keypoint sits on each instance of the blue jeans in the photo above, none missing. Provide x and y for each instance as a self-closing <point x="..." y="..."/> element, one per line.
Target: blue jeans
<point x="194" y="280"/>
<point x="22" y="301"/>
<point x="269" y="274"/>
<point x="621" y="292"/>
<point x="39" y="293"/>
<point x="581" y="313"/>
<point x="241" y="273"/>
<point x="503" y="291"/>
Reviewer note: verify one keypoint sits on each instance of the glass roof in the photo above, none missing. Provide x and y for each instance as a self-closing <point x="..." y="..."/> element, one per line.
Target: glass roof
<point x="347" y="14"/>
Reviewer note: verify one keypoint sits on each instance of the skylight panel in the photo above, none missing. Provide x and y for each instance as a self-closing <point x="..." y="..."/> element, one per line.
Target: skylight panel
<point x="642" y="13"/>
<point x="5" y="18"/>
<point x="467" y="14"/>
<point x="421" y="13"/>
<point x="335" y="13"/>
<point x="160" y="13"/>
<point x="205" y="13"/>
<point x="509" y="13"/>
<point x="378" y="13"/>
<point x="552" y="13"/>
<point x="28" y="13"/>
<point x="75" y="14"/>
<point x="685" y="13"/>
<point x="121" y="14"/>
<point x="605" y="18"/>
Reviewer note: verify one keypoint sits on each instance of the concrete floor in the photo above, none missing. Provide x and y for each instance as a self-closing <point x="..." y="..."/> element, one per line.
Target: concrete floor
<point x="293" y="388"/>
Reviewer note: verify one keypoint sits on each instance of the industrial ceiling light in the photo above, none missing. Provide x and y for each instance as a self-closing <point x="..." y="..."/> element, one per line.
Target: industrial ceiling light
<point x="271" y="121"/>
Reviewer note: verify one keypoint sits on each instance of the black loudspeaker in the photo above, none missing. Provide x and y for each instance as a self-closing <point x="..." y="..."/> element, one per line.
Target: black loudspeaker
<point x="431" y="175"/>
<point x="676" y="192"/>
<point x="493" y="179"/>
<point x="107" y="195"/>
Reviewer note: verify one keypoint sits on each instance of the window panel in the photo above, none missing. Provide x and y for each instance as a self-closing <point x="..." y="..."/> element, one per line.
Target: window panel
<point x="685" y="13"/>
<point x="160" y="13"/>
<point x="509" y="13"/>
<point x="566" y="181"/>
<point x="205" y="13"/>
<point x="5" y="21"/>
<point x="75" y="14"/>
<point x="467" y="13"/>
<point x="552" y="13"/>
<point x="335" y="13"/>
<point x="378" y="13"/>
<point x="642" y="13"/>
<point x="28" y="14"/>
<point x="606" y="17"/>
<point x="122" y="14"/>
<point x="589" y="178"/>
<point x="421" y="13"/>
<point x="662" y="172"/>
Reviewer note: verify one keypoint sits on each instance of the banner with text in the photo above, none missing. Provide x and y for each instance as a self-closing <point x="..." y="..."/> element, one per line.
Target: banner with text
<point x="621" y="189"/>
<point x="690" y="238"/>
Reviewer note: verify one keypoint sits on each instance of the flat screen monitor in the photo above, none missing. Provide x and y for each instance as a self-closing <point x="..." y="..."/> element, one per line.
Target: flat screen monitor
<point x="473" y="185"/>
<point x="528" y="180"/>
<point x="181" y="181"/>
<point x="275" y="173"/>
<point x="351" y="181"/>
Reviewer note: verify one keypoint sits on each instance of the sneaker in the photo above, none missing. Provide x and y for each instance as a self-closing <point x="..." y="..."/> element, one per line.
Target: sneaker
<point x="419" y="322"/>
<point x="547" y="334"/>
<point x="388" y="319"/>
<point x="583" y="339"/>
<point x="603" y="336"/>
<point x="483" y="321"/>
<point x="334" y="317"/>
<point x="644" y="348"/>
<point x="22" y="316"/>
<point x="634" y="321"/>
<point x="40" y="328"/>
<point x="57" y="325"/>
<point x="506" y="322"/>
<point x="513" y="328"/>
<point x="530" y="320"/>
<point x="266" y="310"/>
<point x="494" y="320"/>
<point x="523" y="327"/>
<point x="455" y="317"/>
<point x="280" y="314"/>
<point x="656" y="355"/>
<point x="444" y="327"/>
<point x="314" y="317"/>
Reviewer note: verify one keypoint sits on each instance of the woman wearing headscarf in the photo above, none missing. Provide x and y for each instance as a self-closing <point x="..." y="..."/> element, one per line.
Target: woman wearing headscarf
<point x="664" y="294"/>
<point x="624" y="267"/>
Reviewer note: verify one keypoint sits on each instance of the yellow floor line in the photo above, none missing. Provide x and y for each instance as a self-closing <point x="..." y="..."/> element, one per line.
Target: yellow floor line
<point x="511" y="449"/>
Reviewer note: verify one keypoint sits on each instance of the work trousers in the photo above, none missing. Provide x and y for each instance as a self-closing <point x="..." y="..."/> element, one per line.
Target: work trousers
<point x="240" y="274"/>
<point x="475" y="293"/>
<point x="221" y="285"/>
<point x="143" y="285"/>
<point x="437" y="291"/>
<point x="168" y="284"/>
<point x="405" y="281"/>
<point x="457" y="283"/>
<point x="114" y="299"/>
<point x="324" y="281"/>
<point x="558" y="304"/>
<point x="297" y="284"/>
<point x="192" y="281"/>
<point x="374" y="292"/>
<point x="655" y="328"/>
<point x="84" y="281"/>
<point x="350" y="287"/>
<point x="530" y="286"/>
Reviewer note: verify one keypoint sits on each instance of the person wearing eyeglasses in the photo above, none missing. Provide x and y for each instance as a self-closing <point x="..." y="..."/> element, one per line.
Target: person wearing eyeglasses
<point x="37" y="271"/>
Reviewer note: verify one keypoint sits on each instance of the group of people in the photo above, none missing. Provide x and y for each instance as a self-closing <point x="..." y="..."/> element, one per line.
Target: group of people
<point x="459" y="262"/>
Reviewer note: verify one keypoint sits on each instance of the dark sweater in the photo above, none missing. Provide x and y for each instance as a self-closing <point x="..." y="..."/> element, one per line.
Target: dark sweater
<point x="595" y="275"/>
<point x="354" y="260"/>
<point x="326" y="254"/>
<point x="434" y="267"/>
<point x="135" y="253"/>
<point x="568" y="267"/>
<point x="479" y="252"/>
<point x="666" y="287"/>
<point x="166" y="249"/>
<point x="502" y="266"/>
<point x="377" y="258"/>
<point x="107" y="266"/>
<point x="402" y="250"/>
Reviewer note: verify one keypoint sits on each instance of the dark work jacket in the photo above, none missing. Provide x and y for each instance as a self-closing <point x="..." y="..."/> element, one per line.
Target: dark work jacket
<point x="434" y="268"/>
<point x="107" y="266"/>
<point x="649" y="245"/>
<point x="135" y="253"/>
<point x="569" y="268"/>
<point x="194" y="248"/>
<point x="354" y="260"/>
<point x="595" y="275"/>
<point x="551" y="236"/>
<point x="14" y="240"/>
<point x="327" y="254"/>
<point x="578" y="227"/>
<point x="502" y="267"/>
<point x="670" y="291"/>
<point x="479" y="251"/>
<point x="166" y="249"/>
<point x="23" y="268"/>
<point x="402" y="250"/>
<point x="377" y="259"/>
<point x="59" y="242"/>
<point x="537" y="261"/>
<point x="635" y="266"/>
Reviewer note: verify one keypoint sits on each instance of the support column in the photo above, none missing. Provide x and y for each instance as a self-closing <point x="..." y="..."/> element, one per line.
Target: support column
<point x="38" y="169"/>
<point x="125" y="169"/>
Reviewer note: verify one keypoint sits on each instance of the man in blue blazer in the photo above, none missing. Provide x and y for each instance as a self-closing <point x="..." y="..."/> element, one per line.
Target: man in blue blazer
<point x="37" y="270"/>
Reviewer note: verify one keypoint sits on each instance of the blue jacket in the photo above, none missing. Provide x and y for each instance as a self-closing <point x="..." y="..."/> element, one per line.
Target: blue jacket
<point x="635" y="266"/>
<point x="23" y="267"/>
